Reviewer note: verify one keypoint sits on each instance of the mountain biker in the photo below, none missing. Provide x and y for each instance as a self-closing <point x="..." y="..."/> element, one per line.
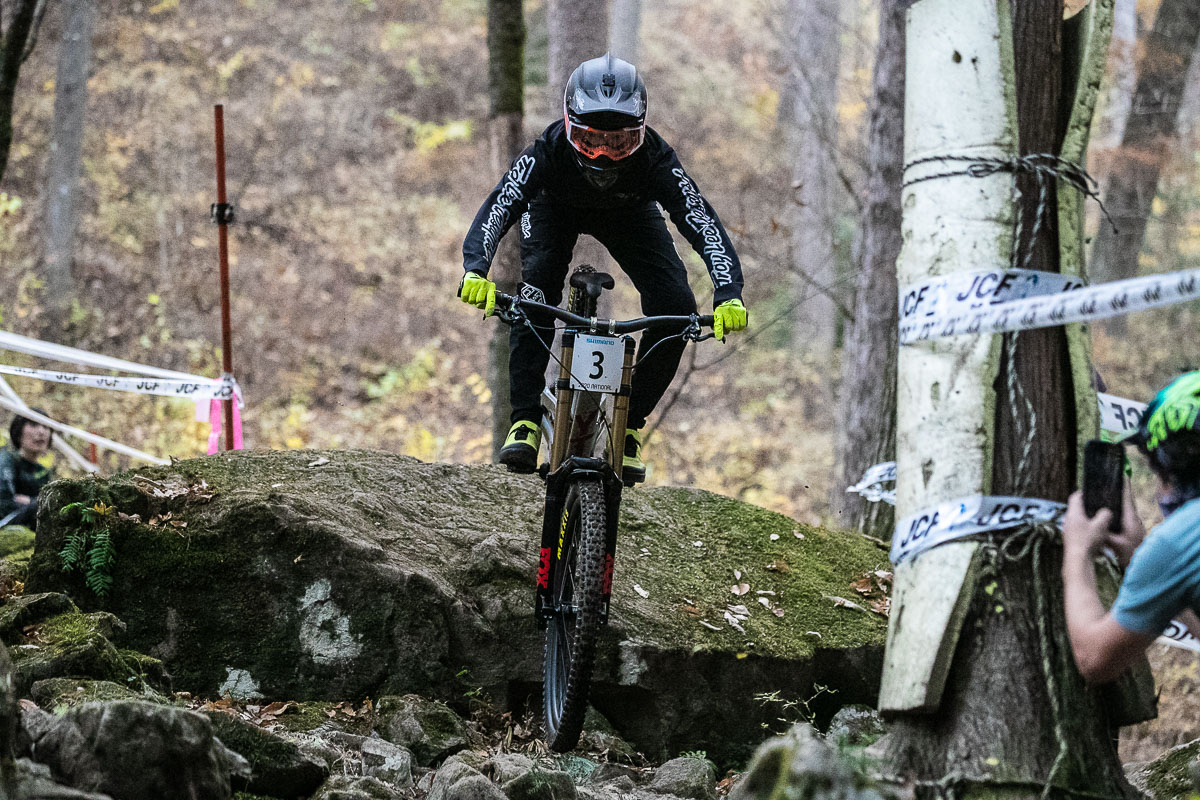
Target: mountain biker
<point x="1162" y="581"/>
<point x="599" y="171"/>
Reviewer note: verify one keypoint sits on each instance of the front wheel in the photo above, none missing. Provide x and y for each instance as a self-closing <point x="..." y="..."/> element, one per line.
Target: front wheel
<point x="574" y="630"/>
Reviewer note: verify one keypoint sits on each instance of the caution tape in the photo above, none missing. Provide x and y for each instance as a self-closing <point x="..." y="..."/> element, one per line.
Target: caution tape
<point x="204" y="389"/>
<point x="1177" y="635"/>
<point x="955" y="519"/>
<point x="34" y="416"/>
<point x="975" y="290"/>
<point x="1070" y="306"/>
<point x="870" y="486"/>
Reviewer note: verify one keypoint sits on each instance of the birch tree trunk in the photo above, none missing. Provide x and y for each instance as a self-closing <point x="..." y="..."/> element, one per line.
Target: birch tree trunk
<point x="1148" y="139"/>
<point x="867" y="428"/>
<point x="66" y="154"/>
<point x="506" y="90"/>
<point x="1014" y="715"/>
<point x="625" y="30"/>
<point x="813" y="84"/>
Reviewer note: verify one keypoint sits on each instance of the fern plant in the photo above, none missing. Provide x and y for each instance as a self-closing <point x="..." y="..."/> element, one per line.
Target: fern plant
<point x="89" y="547"/>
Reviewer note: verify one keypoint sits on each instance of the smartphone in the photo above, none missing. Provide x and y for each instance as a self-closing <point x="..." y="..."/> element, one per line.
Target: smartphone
<point x="1104" y="479"/>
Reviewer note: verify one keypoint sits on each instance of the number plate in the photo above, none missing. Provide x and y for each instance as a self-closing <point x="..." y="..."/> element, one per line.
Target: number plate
<point x="596" y="363"/>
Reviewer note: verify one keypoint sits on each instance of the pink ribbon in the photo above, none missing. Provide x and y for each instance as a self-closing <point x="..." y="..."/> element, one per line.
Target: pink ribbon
<point x="216" y="415"/>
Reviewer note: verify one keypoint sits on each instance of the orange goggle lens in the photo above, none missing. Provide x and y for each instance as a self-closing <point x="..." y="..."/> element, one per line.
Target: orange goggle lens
<point x="593" y="143"/>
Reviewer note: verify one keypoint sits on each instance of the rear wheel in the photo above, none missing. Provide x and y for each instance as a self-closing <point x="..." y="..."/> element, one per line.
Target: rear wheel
<point x="573" y="632"/>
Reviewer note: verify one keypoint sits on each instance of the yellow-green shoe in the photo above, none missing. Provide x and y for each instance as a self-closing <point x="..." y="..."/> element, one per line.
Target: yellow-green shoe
<point x="520" y="449"/>
<point x="633" y="469"/>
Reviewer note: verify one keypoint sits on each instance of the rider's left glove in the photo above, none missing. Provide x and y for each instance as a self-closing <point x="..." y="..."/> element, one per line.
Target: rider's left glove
<point x="478" y="291"/>
<point x="730" y="316"/>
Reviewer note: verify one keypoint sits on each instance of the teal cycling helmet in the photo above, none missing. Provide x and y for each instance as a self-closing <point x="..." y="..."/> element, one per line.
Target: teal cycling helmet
<point x="1169" y="431"/>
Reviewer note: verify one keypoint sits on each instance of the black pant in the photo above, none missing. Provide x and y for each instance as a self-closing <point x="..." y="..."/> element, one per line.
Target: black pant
<point x="637" y="238"/>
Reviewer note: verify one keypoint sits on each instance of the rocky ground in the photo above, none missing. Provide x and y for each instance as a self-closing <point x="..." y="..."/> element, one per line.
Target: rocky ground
<point x="351" y="626"/>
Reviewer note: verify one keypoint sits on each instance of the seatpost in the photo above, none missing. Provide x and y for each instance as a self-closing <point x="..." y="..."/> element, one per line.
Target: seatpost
<point x="616" y="434"/>
<point x="562" y="403"/>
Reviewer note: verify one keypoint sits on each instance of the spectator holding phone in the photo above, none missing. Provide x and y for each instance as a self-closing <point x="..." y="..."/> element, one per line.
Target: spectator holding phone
<point x="1162" y="578"/>
<point x="21" y="474"/>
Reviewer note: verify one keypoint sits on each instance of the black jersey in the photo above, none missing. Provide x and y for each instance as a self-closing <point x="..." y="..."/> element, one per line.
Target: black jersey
<point x="548" y="167"/>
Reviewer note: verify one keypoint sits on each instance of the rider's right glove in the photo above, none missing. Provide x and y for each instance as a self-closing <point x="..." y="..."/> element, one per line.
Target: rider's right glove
<point x="729" y="316"/>
<point x="478" y="291"/>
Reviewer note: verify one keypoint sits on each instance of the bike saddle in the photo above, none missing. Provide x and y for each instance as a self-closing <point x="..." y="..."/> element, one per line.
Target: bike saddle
<point x="592" y="282"/>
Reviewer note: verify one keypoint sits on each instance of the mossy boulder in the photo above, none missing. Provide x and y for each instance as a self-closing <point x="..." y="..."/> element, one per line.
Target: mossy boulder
<point x="1172" y="776"/>
<point x="277" y="767"/>
<point x="74" y="645"/>
<point x="342" y="574"/>
<point x="59" y="694"/>
<point x="431" y="730"/>
<point x="29" y="609"/>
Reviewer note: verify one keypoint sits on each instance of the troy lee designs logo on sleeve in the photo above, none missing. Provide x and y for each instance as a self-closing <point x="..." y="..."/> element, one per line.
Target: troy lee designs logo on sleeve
<point x="510" y="192"/>
<point x="702" y="223"/>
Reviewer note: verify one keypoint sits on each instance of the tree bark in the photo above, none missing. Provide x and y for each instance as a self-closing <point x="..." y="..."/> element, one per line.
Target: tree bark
<point x="625" y="30"/>
<point x="1148" y="139"/>
<point x="813" y="85"/>
<point x="867" y="428"/>
<point x="15" y="43"/>
<point x="578" y="31"/>
<point x="506" y="89"/>
<point x="66" y="154"/>
<point x="1122" y="58"/>
<point x="1016" y="715"/>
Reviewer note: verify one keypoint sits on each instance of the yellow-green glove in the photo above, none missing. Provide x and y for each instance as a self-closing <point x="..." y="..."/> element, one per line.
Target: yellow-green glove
<point x="478" y="291"/>
<point x="730" y="316"/>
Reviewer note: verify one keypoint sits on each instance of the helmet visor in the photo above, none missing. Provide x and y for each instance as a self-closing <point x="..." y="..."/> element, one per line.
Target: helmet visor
<point x="593" y="142"/>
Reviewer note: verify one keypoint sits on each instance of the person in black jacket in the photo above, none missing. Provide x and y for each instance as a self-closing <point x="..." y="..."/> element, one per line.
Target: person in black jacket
<point x="21" y="476"/>
<point x="599" y="171"/>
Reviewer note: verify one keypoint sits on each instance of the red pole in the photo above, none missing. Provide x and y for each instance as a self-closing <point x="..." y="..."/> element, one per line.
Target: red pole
<point x="223" y="250"/>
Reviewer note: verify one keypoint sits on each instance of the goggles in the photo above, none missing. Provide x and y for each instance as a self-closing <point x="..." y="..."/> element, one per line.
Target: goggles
<point x="593" y="142"/>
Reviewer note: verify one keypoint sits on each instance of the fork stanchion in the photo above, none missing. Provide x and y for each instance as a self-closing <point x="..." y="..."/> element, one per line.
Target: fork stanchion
<point x="562" y="403"/>
<point x="616" y="433"/>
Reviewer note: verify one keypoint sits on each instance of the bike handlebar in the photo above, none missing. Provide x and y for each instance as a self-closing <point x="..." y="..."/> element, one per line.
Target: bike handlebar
<point x="506" y="302"/>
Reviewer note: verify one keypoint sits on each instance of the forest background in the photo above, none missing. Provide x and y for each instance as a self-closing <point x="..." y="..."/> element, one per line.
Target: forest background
<point x="357" y="155"/>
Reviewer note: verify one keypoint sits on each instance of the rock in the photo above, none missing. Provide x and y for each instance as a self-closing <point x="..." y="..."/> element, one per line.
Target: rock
<point x="30" y="609"/>
<point x="388" y="762"/>
<point x="504" y="767"/>
<point x="800" y="764"/>
<point x="74" y="645"/>
<point x="9" y="726"/>
<point x="599" y="736"/>
<point x="132" y="748"/>
<point x="431" y="730"/>
<point x="694" y="778"/>
<point x="541" y="784"/>
<point x="857" y="725"/>
<point x="34" y="782"/>
<point x="456" y="780"/>
<point x="277" y="767"/>
<point x="1170" y="776"/>
<point x="376" y="574"/>
<point x="348" y="787"/>
<point x="610" y="772"/>
<point x="59" y="694"/>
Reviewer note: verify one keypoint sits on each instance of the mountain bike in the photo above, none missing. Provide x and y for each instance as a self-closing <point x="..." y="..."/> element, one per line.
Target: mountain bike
<point x="584" y="426"/>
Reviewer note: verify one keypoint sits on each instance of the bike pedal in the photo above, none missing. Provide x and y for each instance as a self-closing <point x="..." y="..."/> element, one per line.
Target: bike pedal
<point x="543" y="470"/>
<point x="520" y="469"/>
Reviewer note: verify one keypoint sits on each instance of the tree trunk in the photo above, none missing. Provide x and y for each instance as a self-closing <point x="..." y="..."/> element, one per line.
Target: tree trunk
<point x="66" y="154"/>
<point x="1148" y="140"/>
<point x="15" y="43"/>
<point x="867" y="428"/>
<point x="625" y="30"/>
<point x="813" y="84"/>
<point x="1122" y="59"/>
<point x="506" y="89"/>
<point x="578" y="31"/>
<point x="1016" y="715"/>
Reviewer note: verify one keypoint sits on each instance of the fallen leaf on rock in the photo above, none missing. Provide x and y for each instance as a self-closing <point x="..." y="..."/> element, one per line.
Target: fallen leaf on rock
<point x="765" y="601"/>
<point x="740" y="589"/>
<point x="320" y="462"/>
<point x="798" y="534"/>
<point x="733" y="622"/>
<point x="129" y="517"/>
<point x="709" y="625"/>
<point x="741" y="611"/>
<point x="774" y="537"/>
<point x="278" y="707"/>
<point x="777" y="612"/>
<point x="737" y="574"/>
<point x="697" y="544"/>
<point x="641" y="591"/>
<point x="814" y="634"/>
<point x="778" y="565"/>
<point x="765" y="591"/>
<point x="843" y="602"/>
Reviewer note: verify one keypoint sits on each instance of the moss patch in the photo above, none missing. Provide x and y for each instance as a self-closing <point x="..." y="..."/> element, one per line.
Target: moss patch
<point x="1170" y="775"/>
<point x="310" y="715"/>
<point x="59" y="694"/>
<point x="16" y="540"/>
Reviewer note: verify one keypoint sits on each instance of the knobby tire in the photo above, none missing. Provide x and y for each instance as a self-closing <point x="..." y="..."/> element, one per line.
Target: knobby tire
<point x="572" y="635"/>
